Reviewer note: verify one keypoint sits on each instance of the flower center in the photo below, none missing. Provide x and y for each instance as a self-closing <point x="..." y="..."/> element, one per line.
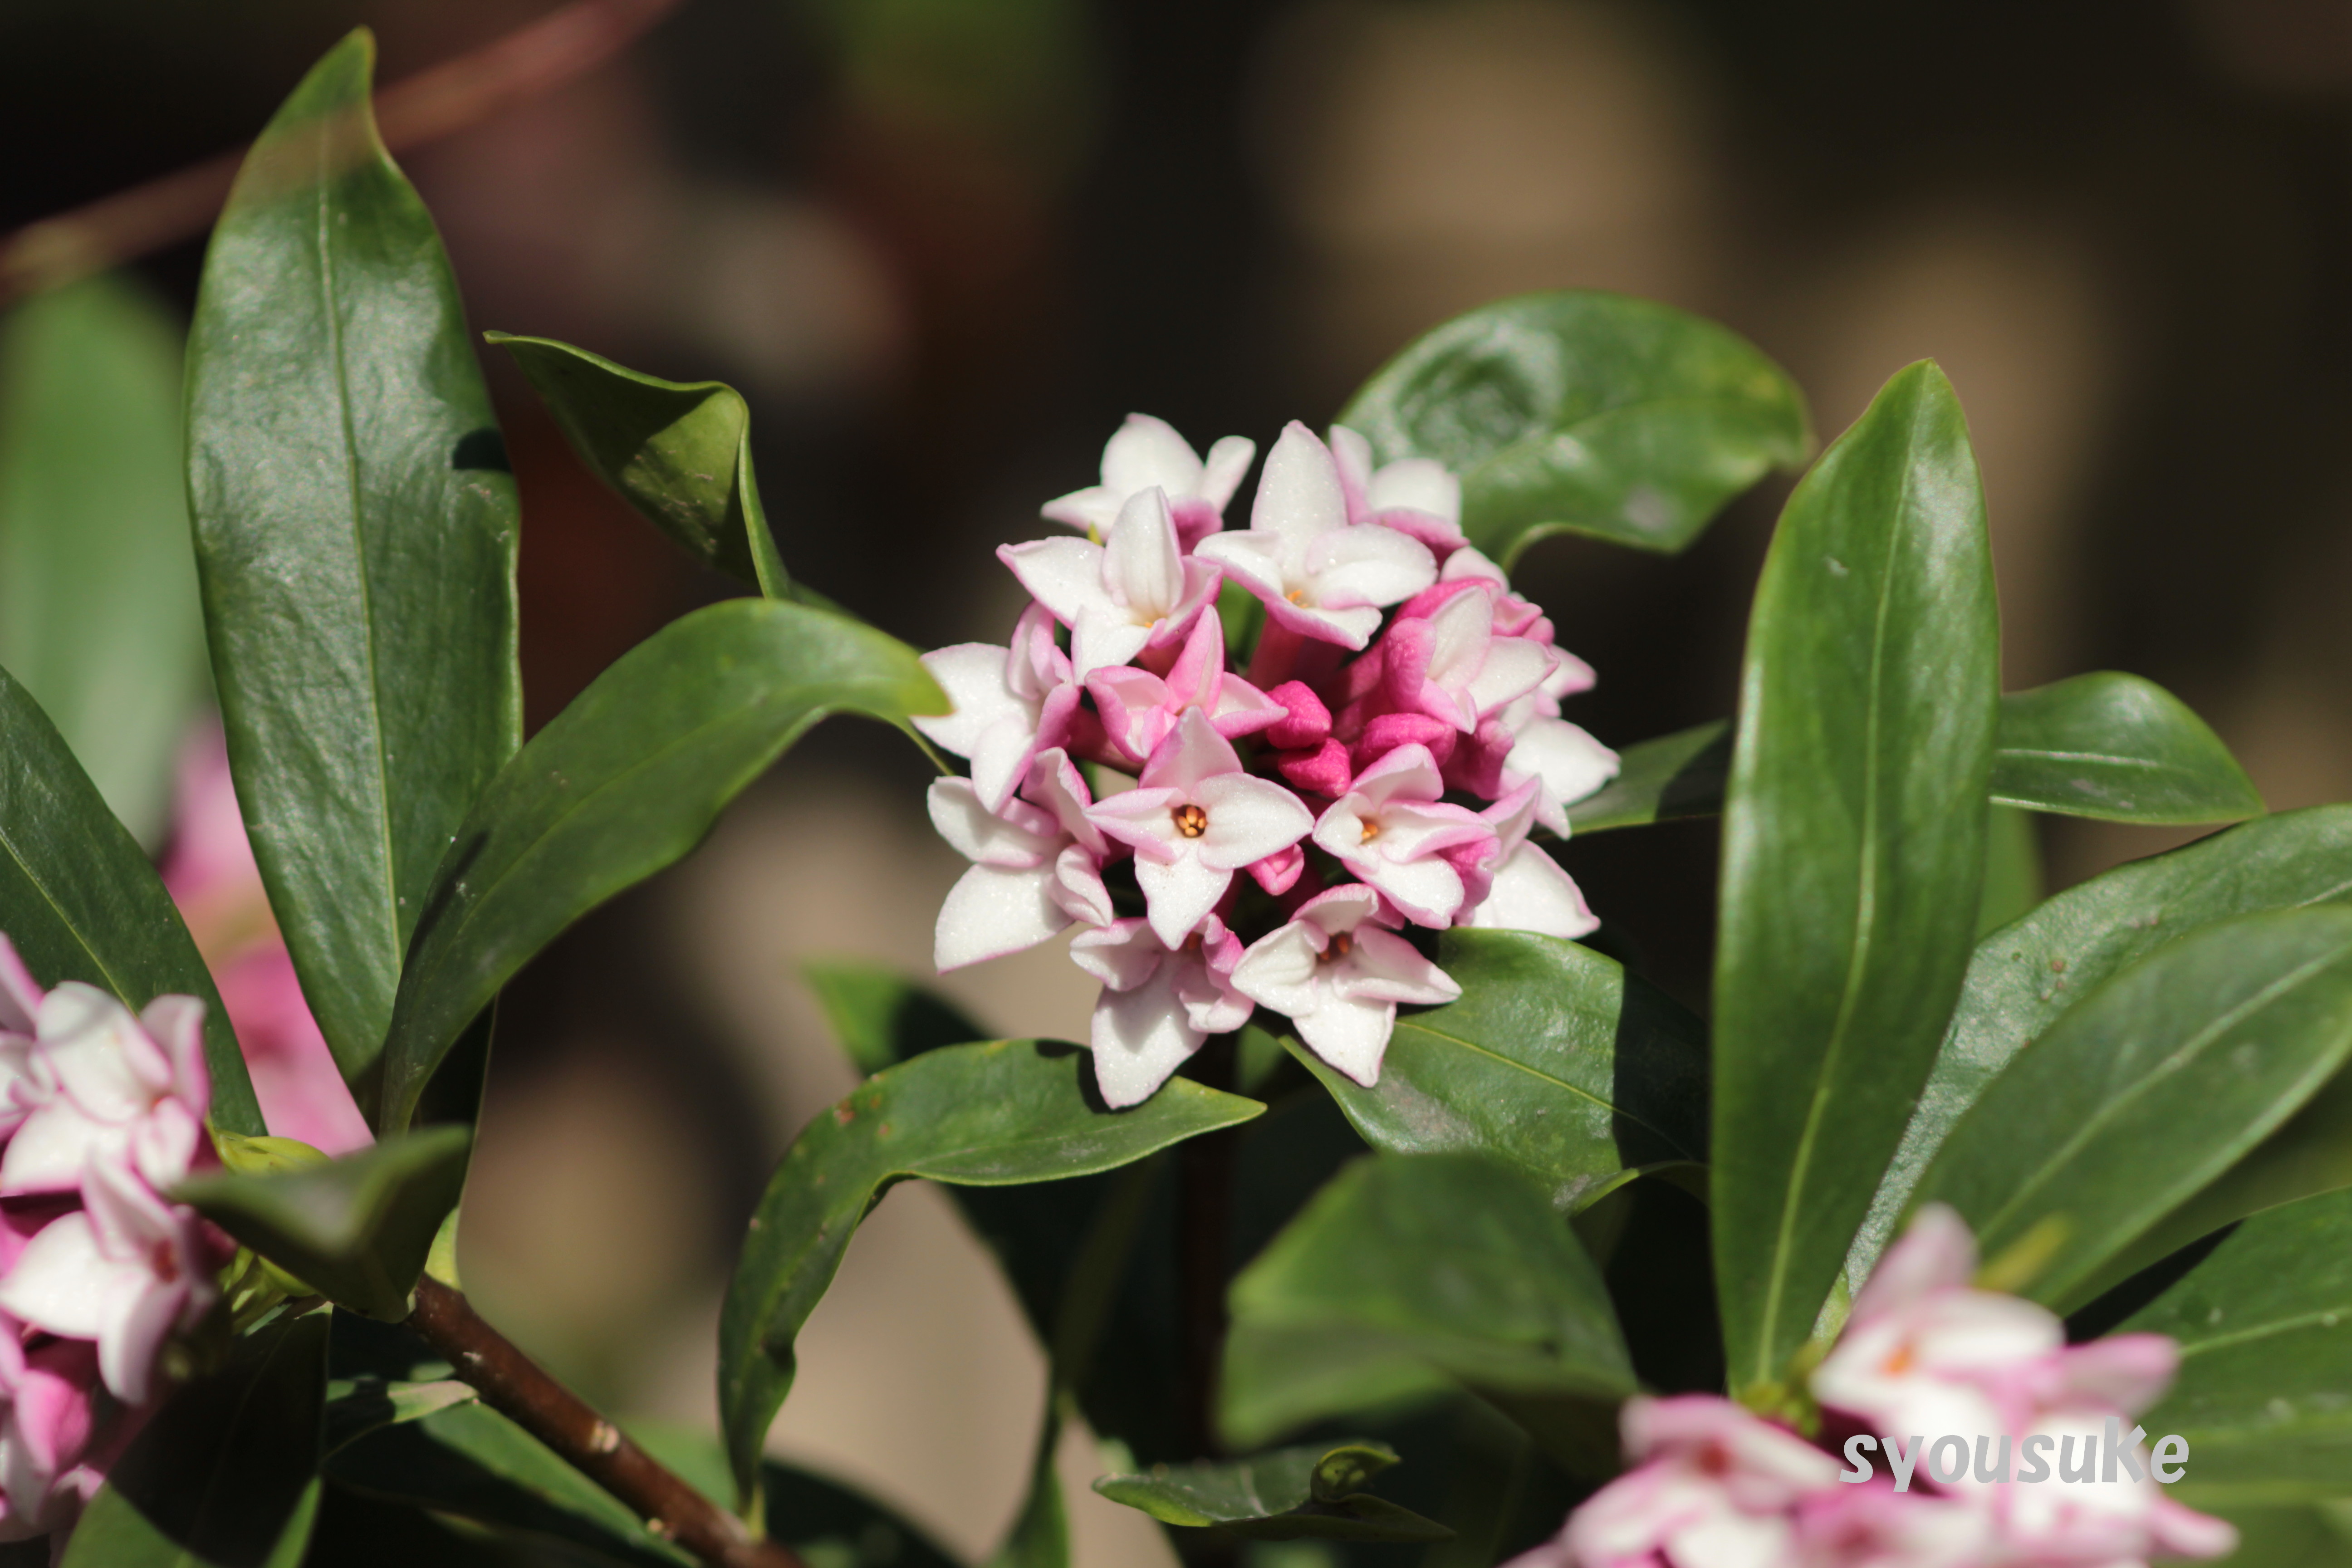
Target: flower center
<point x="1342" y="945"/>
<point x="1372" y="831"/>
<point x="1190" y="820"/>
<point x="1297" y="596"/>
<point x="165" y="1263"/>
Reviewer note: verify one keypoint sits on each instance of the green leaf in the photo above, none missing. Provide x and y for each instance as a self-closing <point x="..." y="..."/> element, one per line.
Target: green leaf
<point x="828" y="1524"/>
<point x="1291" y="1494"/>
<point x="624" y="781"/>
<point x="2013" y="878"/>
<point x="2264" y="1325"/>
<point x="357" y="1407"/>
<point x="355" y="1229"/>
<point x="355" y="527"/>
<point x="1411" y="1274"/>
<point x="1579" y="412"/>
<point x="882" y="1018"/>
<point x="2117" y="748"/>
<point x="1555" y="1061"/>
<point x="678" y="452"/>
<point x="1853" y="849"/>
<point x="80" y="900"/>
<point x="227" y="1473"/>
<point x="2150" y="1088"/>
<point x="2294" y="1535"/>
<point x="997" y="1114"/>
<point x="2022" y="978"/>
<point x="470" y="1462"/>
<point x="98" y="615"/>
<point x="1681" y="774"/>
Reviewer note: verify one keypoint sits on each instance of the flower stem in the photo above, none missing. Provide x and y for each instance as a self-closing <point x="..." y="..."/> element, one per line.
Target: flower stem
<point x="514" y="1385"/>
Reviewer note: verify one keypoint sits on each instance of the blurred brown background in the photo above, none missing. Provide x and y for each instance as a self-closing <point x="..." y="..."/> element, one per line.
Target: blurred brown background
<point x="944" y="244"/>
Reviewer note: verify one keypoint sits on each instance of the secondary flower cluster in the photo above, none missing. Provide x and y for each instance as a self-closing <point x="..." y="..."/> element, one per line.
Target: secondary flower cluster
<point x="1394" y="668"/>
<point x="1924" y="1354"/>
<point x="100" y="1114"/>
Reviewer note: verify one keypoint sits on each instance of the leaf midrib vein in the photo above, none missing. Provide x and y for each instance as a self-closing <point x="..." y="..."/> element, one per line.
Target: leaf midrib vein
<point x="1539" y="1074"/>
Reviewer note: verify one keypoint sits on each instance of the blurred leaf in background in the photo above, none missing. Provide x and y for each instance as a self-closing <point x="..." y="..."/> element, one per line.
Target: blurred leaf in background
<point x="98" y="615"/>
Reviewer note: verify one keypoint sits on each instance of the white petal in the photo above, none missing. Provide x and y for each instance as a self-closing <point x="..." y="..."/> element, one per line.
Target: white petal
<point x="1468" y="561"/>
<point x="1353" y="454"/>
<point x="1571" y="764"/>
<point x="1280" y="969"/>
<point x="1095" y="508"/>
<point x="1532" y="893"/>
<point x="1344" y="908"/>
<point x="49" y="1152"/>
<point x="991" y="913"/>
<point x="1078" y="890"/>
<point x="1414" y="829"/>
<point x="1022" y="838"/>
<point x="1384" y="966"/>
<point x="138" y="1321"/>
<point x="1350" y="629"/>
<point x="1368" y="566"/>
<point x="1514" y="667"/>
<point x="1142" y="818"/>
<point x="61" y="1281"/>
<point x="1421" y="483"/>
<point x="1249" y="819"/>
<point x="1140" y="1037"/>
<point x="1180" y="893"/>
<point x="1063" y="574"/>
<point x="1406" y="773"/>
<point x="1143" y="568"/>
<point x="1122" y="954"/>
<point x="972" y="675"/>
<point x="1194" y="754"/>
<point x="100" y="1054"/>
<point x="1229" y="459"/>
<point x="1105" y="635"/>
<point x="1428" y="891"/>
<point x="1145" y="452"/>
<point x="1000" y="762"/>
<point x="1351" y="1035"/>
<point x="1298" y="495"/>
<point x="1459" y="633"/>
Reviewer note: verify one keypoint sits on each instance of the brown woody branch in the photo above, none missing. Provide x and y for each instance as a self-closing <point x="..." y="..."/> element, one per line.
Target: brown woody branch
<point x="449" y="97"/>
<point x="513" y="1384"/>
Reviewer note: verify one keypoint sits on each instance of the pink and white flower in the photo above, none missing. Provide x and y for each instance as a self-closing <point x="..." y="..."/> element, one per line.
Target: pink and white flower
<point x="1452" y="665"/>
<point x="1392" y="829"/>
<point x="1195" y="819"/>
<point x="1148" y="454"/>
<point x="1137" y="590"/>
<point x="1010" y="703"/>
<point x="1159" y="1003"/>
<point x="1036" y="865"/>
<point x="101" y="1085"/>
<point x="1140" y="708"/>
<point x="1415" y="496"/>
<point x="1522" y="887"/>
<point x="1337" y="972"/>
<point x="1320" y="575"/>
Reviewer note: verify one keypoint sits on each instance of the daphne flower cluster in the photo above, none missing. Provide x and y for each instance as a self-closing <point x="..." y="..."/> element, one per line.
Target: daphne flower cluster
<point x="100" y="1114"/>
<point x="1380" y="763"/>
<point x="1923" y="1356"/>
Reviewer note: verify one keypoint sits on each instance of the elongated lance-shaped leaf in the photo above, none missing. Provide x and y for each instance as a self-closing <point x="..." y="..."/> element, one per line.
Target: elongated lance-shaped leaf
<point x="2115" y="747"/>
<point x="1312" y="1492"/>
<point x="1580" y="412"/>
<point x="80" y="900"/>
<point x="680" y="453"/>
<point x="2265" y="1391"/>
<point x="1853" y="849"/>
<point x="355" y="534"/>
<point x="226" y="1475"/>
<point x="356" y="1229"/>
<point x="2148" y="1088"/>
<point x="1555" y="1061"/>
<point x="1408" y="1275"/>
<point x="2022" y="978"/>
<point x="998" y="1115"/>
<point x="626" y="781"/>
<point x="98" y="615"/>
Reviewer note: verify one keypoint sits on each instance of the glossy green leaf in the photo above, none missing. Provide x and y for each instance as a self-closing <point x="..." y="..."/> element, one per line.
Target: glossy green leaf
<point x="356" y="529"/>
<point x="880" y="1017"/>
<point x="624" y="781"/>
<point x="1681" y="774"/>
<point x="1580" y="412"/>
<point x="356" y="1229"/>
<point x="680" y="453"/>
<point x="2118" y="748"/>
<point x="1408" y="1274"/>
<point x="470" y="1462"/>
<point x="1853" y="849"/>
<point x="2291" y="1535"/>
<point x="1555" y="1061"/>
<point x="80" y="900"/>
<point x="997" y="1114"/>
<point x="2265" y="1391"/>
<point x="98" y="614"/>
<point x="2013" y="881"/>
<point x="2150" y="1088"/>
<point x="829" y="1525"/>
<point x="357" y="1407"/>
<point x="226" y="1475"/>
<point x="2022" y="978"/>
<point x="1312" y="1492"/>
